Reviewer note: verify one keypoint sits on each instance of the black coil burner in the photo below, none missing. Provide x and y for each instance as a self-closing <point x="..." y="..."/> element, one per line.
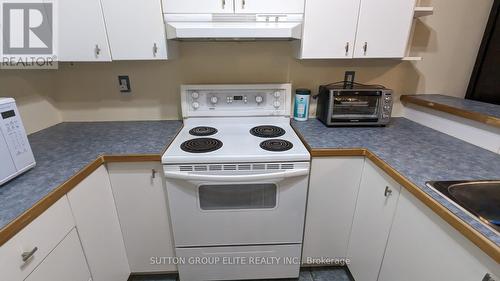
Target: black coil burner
<point x="267" y="131"/>
<point x="276" y="145"/>
<point x="203" y="131"/>
<point x="201" y="145"/>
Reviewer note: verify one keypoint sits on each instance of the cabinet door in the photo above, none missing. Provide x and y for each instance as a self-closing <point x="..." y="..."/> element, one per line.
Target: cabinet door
<point x="65" y="262"/>
<point x="97" y="223"/>
<point x="375" y="207"/>
<point x="269" y="6"/>
<point x="422" y="246"/>
<point x="82" y="33"/>
<point x="141" y="202"/>
<point x="136" y="30"/>
<point x="333" y="188"/>
<point x="384" y="28"/>
<point x="329" y="29"/>
<point x="197" y="6"/>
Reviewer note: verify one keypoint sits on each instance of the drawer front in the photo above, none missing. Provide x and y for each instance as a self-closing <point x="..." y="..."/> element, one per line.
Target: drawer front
<point x="44" y="233"/>
<point x="234" y="263"/>
<point x="68" y="253"/>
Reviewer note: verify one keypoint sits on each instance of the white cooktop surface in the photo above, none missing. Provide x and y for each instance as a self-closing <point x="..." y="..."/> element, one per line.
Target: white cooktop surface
<point x="238" y="144"/>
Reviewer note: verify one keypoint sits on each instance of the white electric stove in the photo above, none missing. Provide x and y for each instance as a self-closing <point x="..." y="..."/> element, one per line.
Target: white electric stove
<point x="236" y="179"/>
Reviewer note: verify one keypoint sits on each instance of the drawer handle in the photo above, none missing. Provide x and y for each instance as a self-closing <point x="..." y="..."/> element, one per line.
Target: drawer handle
<point x="27" y="255"/>
<point x="387" y="192"/>
<point x="153" y="173"/>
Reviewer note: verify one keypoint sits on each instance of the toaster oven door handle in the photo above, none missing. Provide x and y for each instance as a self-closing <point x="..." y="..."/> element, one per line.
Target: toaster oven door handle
<point x="278" y="176"/>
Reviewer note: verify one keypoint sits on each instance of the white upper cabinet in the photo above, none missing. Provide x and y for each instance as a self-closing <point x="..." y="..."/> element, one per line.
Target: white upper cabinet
<point x="198" y="7"/>
<point x="233" y="6"/>
<point x="269" y="6"/>
<point x="82" y="32"/>
<point x="384" y="28"/>
<point x="377" y="201"/>
<point x="136" y="30"/>
<point x="329" y="29"/>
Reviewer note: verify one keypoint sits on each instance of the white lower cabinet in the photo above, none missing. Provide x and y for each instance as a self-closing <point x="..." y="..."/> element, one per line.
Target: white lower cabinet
<point x="333" y="189"/>
<point x="65" y="262"/>
<point x="422" y="246"/>
<point x="141" y="202"/>
<point x="375" y="208"/>
<point x="97" y="223"/>
<point x="35" y="242"/>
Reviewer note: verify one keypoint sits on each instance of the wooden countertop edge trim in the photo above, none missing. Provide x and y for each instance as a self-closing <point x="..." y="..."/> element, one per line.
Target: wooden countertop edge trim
<point x="11" y="229"/>
<point x="479" y="117"/>
<point x="474" y="236"/>
<point x="41" y="206"/>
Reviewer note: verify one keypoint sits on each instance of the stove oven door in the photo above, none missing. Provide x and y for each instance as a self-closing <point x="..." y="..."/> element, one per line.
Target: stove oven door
<point x="239" y="207"/>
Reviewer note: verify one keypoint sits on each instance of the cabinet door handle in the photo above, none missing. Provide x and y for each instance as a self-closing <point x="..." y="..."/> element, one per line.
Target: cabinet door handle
<point x="27" y="255"/>
<point x="153" y="173"/>
<point x="243" y="4"/>
<point x="97" y="50"/>
<point x="347" y="48"/>
<point x="155" y="49"/>
<point x="365" y="47"/>
<point x="387" y="192"/>
<point x="223" y="4"/>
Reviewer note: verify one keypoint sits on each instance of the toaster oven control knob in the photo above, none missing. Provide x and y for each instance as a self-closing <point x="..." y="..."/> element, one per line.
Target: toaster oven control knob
<point x="214" y="100"/>
<point x="259" y="99"/>
<point x="277" y="104"/>
<point x="195" y="95"/>
<point x="195" y="105"/>
<point x="277" y="95"/>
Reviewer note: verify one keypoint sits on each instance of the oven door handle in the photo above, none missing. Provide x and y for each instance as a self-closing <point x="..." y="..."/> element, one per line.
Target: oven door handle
<point x="237" y="178"/>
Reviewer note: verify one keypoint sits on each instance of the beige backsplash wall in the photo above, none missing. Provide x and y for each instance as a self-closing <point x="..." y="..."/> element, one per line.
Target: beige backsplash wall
<point x="448" y="41"/>
<point x="33" y="91"/>
<point x="89" y="91"/>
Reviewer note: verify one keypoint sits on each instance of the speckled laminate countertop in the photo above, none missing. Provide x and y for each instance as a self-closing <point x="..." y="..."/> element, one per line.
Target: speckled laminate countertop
<point x="473" y="106"/>
<point x="63" y="150"/>
<point x="417" y="152"/>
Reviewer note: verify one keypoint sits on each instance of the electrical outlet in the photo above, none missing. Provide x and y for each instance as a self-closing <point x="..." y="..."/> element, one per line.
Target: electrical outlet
<point x="124" y="84"/>
<point x="349" y="79"/>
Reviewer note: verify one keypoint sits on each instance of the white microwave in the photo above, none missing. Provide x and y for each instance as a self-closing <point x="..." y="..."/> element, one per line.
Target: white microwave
<point x="16" y="156"/>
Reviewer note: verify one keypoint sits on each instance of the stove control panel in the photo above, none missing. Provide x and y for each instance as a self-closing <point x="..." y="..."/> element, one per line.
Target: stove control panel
<point x="229" y="100"/>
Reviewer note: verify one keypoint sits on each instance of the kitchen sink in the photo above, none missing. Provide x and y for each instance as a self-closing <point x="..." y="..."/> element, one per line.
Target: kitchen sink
<point x="481" y="198"/>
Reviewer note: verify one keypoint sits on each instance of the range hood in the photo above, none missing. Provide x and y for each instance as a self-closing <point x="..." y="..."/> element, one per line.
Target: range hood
<point x="233" y="26"/>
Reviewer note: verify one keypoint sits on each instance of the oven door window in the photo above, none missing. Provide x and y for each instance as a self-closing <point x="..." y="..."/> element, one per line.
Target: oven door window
<point x="238" y="196"/>
<point x="357" y="107"/>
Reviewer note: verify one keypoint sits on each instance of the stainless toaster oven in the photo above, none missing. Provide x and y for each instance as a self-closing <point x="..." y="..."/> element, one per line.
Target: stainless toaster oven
<point x="348" y="107"/>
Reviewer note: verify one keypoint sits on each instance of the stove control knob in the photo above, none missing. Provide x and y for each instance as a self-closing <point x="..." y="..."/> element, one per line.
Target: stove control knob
<point x="277" y="104"/>
<point x="195" y="105"/>
<point x="259" y="99"/>
<point x="277" y="95"/>
<point x="214" y="100"/>
<point x="195" y="95"/>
